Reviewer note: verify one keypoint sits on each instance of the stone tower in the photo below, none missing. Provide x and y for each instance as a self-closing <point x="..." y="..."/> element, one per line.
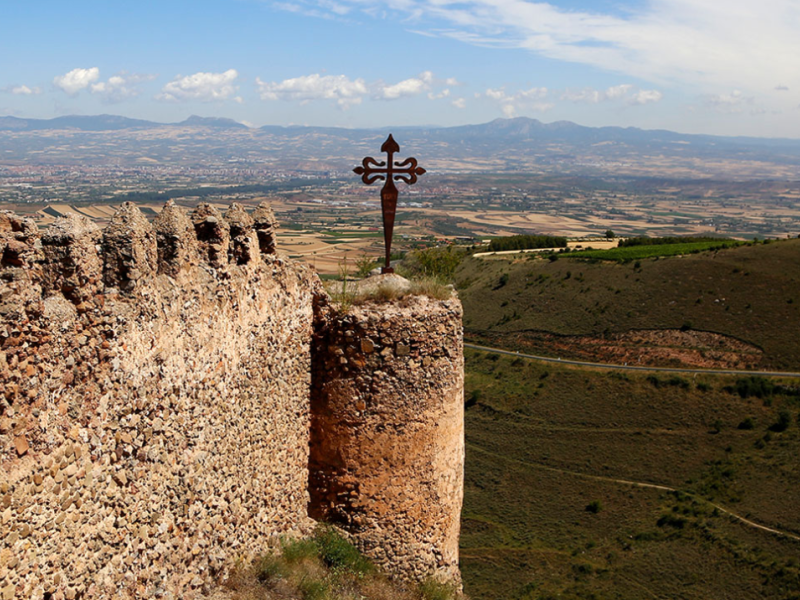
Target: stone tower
<point x="387" y="437"/>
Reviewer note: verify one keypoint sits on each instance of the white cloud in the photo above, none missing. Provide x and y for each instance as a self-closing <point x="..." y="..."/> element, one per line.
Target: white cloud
<point x="733" y="102"/>
<point x="645" y="97"/>
<point x="346" y="92"/>
<point x="205" y="87"/>
<point x="120" y="87"/>
<point x="443" y="94"/>
<point x="708" y="44"/>
<point x="76" y="80"/>
<point x="459" y="103"/>
<point x="618" y="91"/>
<point x="407" y="87"/>
<point x="625" y="92"/>
<point x="21" y="90"/>
<point x="531" y="100"/>
<point x="587" y="95"/>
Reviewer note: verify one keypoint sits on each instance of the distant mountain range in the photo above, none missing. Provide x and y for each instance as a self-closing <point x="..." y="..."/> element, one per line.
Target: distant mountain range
<point x="520" y="128"/>
<point x="108" y="123"/>
<point x="511" y="144"/>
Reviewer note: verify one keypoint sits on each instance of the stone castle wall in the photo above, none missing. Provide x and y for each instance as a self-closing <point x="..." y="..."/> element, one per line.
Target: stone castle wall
<point x="154" y="401"/>
<point x="387" y="438"/>
<point x="156" y="408"/>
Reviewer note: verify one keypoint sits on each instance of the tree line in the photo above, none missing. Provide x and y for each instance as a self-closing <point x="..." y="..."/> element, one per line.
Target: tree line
<point x="526" y="242"/>
<point x="658" y="241"/>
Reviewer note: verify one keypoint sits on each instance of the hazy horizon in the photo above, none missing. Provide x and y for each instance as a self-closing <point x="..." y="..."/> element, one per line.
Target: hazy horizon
<point x="693" y="67"/>
<point x="392" y="126"/>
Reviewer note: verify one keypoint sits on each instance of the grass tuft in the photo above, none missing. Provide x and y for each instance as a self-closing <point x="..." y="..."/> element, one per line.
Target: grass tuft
<point x="433" y="288"/>
<point x="338" y="553"/>
<point x="432" y="589"/>
<point x="325" y="566"/>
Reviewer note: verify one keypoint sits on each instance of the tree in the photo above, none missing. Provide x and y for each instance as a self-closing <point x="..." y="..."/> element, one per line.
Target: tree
<point x="610" y="235"/>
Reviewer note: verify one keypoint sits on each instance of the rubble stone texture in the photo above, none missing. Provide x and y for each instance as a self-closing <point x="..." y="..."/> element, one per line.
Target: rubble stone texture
<point x="387" y="437"/>
<point x="177" y="244"/>
<point x="213" y="234"/>
<point x="242" y="248"/>
<point x="153" y="429"/>
<point x="266" y="225"/>
<point x="155" y="409"/>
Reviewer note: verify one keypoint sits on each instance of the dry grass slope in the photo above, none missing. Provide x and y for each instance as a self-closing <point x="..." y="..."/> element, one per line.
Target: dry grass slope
<point x="751" y="293"/>
<point x="549" y="509"/>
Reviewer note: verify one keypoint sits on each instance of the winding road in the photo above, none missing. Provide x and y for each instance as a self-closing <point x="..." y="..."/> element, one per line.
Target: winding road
<point x="638" y="484"/>
<point x="631" y="367"/>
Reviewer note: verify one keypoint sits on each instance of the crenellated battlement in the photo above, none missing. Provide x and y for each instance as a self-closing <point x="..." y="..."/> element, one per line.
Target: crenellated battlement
<point x="78" y="260"/>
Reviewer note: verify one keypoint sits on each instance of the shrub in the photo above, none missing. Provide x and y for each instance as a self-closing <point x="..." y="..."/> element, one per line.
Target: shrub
<point x="760" y="387"/>
<point x="526" y="591"/>
<point x="431" y="589"/>
<point x="436" y="263"/>
<point x="431" y="287"/>
<point x="268" y="568"/>
<point x="782" y="424"/>
<point x="294" y="551"/>
<point x="338" y="553"/>
<point x="365" y="264"/>
<point x="680" y="382"/>
<point x="654" y="381"/>
<point x="594" y="507"/>
<point x="312" y="588"/>
<point x="748" y="423"/>
<point x="671" y="521"/>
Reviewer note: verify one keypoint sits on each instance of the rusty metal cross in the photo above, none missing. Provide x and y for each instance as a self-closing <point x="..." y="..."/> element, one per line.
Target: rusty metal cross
<point x="372" y="170"/>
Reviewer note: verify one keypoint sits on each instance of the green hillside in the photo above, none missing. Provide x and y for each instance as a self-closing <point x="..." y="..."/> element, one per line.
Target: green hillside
<point x="546" y="516"/>
<point x="750" y="293"/>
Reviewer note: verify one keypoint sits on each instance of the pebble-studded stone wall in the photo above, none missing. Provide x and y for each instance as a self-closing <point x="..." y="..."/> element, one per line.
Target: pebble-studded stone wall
<point x="154" y="401"/>
<point x="387" y="440"/>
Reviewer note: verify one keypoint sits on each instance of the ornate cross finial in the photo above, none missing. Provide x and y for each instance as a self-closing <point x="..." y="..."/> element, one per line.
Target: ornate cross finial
<point x="372" y="170"/>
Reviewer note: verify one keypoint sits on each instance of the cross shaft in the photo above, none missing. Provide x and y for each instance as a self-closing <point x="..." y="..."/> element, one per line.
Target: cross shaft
<point x="389" y="171"/>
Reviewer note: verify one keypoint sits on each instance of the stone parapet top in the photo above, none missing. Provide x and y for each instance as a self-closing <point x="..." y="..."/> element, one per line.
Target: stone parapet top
<point x="77" y="259"/>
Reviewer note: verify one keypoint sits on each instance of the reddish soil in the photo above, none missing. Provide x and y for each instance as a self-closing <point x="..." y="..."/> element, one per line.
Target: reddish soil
<point x="661" y="348"/>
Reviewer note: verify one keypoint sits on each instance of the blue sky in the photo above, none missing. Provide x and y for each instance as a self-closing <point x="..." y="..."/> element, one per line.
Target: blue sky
<point x="700" y="66"/>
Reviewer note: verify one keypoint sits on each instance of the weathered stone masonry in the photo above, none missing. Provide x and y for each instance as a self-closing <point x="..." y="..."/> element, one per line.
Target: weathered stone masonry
<point x="387" y="435"/>
<point x="155" y="402"/>
<point x="155" y="390"/>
